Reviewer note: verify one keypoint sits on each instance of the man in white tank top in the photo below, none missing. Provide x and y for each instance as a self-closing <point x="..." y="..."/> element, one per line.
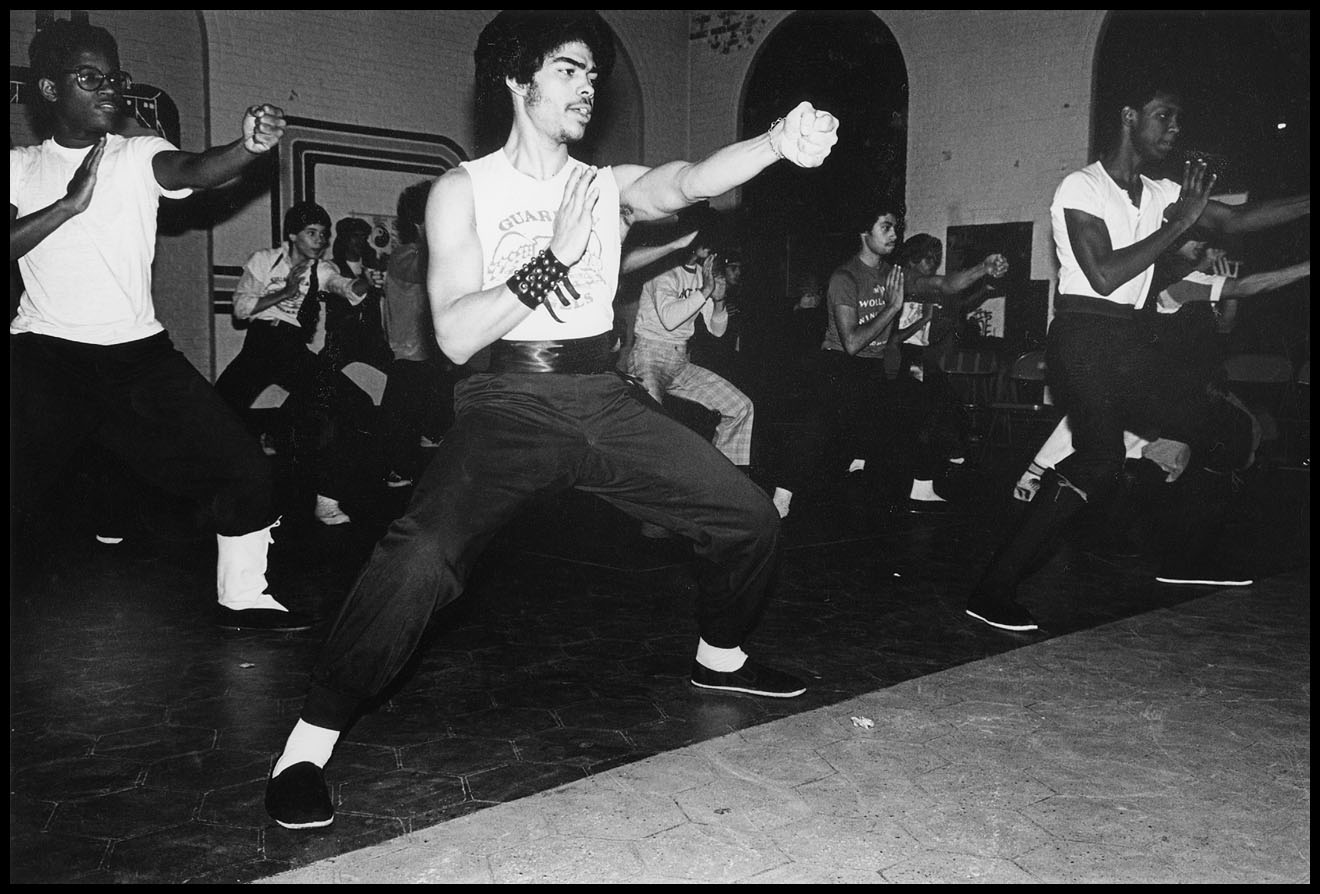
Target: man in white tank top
<point x="524" y="258"/>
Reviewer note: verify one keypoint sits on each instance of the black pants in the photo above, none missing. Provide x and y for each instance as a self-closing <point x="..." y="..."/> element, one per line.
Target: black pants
<point x="145" y="403"/>
<point x="1109" y="377"/>
<point x="860" y="398"/>
<point x="418" y="400"/>
<point x="276" y="354"/>
<point x="929" y="415"/>
<point x="520" y="435"/>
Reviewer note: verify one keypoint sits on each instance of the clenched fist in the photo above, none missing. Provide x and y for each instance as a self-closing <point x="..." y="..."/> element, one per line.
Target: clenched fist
<point x="806" y="136"/>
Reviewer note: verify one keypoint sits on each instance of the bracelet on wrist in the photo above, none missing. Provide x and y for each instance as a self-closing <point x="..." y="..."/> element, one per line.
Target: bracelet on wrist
<point x="535" y="280"/>
<point x="770" y="135"/>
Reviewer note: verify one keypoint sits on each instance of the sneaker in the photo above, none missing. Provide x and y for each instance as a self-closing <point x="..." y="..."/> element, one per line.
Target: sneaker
<point x="427" y="444"/>
<point x="262" y="619"/>
<point x="268" y="445"/>
<point x="329" y="513"/>
<point x="752" y="678"/>
<point x="109" y="540"/>
<point x="1003" y="614"/>
<point x="1204" y="576"/>
<point x="298" y="798"/>
<point x="394" y="479"/>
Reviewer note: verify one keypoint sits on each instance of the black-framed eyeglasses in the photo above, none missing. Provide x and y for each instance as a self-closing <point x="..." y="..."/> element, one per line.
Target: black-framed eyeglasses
<point x="91" y="79"/>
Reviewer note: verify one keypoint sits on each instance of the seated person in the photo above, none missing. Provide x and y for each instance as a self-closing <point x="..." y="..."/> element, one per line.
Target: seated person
<point x="278" y="295"/>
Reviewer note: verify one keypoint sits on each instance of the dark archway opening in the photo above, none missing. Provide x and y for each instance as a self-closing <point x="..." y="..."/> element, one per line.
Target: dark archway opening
<point x="1246" y="82"/>
<point x="792" y="220"/>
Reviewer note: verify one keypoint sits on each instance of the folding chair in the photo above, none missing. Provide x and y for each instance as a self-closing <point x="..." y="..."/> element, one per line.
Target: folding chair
<point x="972" y="374"/>
<point x="1023" y="400"/>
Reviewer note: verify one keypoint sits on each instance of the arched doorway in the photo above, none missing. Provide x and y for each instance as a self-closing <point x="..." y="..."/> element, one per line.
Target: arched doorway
<point x="848" y="63"/>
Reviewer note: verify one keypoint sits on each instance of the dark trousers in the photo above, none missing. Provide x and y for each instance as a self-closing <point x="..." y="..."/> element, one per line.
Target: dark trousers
<point x="145" y="403"/>
<point x="1108" y="378"/>
<point x="928" y="413"/>
<point x="860" y="411"/>
<point x="418" y="400"/>
<point x="276" y="354"/>
<point x="517" y="436"/>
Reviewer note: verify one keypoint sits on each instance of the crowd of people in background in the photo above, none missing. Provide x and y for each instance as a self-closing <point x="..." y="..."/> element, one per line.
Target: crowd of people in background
<point x="511" y="372"/>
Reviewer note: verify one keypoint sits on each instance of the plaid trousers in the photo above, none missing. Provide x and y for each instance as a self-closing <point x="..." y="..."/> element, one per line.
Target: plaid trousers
<point x="664" y="369"/>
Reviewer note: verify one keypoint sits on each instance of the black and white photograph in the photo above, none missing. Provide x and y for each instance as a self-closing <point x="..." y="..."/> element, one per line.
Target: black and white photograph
<point x="659" y="447"/>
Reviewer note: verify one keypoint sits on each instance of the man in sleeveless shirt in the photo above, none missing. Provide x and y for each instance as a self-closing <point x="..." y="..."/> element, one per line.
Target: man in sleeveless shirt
<point x="524" y="257"/>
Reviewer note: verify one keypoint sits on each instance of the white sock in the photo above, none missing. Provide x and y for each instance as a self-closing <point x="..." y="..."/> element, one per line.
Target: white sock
<point x="781" y="499"/>
<point x="720" y="660"/>
<point x="924" y="490"/>
<point x="307" y="743"/>
<point x="857" y="465"/>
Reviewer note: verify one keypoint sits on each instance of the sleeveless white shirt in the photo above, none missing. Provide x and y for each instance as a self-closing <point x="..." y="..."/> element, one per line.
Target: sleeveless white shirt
<point x="515" y="217"/>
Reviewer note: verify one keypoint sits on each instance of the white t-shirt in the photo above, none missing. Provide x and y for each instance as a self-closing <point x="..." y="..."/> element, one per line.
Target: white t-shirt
<point x="1093" y="191"/>
<point x="267" y="271"/>
<point x="515" y="217"/>
<point x="674" y="298"/>
<point x="90" y="280"/>
<point x="1195" y="286"/>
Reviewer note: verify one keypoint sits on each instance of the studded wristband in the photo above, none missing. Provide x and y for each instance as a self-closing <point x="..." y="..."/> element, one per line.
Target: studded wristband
<point x="535" y="280"/>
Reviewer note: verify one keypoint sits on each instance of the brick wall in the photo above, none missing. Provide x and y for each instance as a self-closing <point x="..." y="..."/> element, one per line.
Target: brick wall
<point x="163" y="48"/>
<point x="999" y="107"/>
<point x="1000" y="104"/>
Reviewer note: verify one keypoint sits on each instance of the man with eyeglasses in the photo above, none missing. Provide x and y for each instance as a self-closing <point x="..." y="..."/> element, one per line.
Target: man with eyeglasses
<point x="89" y="359"/>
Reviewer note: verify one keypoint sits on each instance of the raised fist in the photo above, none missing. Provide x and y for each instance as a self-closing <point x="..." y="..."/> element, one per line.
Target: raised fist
<point x="263" y="126"/>
<point x="806" y="136"/>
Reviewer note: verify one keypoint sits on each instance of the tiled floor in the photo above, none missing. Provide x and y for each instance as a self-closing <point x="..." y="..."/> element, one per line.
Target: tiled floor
<point x="141" y="736"/>
<point x="1172" y="747"/>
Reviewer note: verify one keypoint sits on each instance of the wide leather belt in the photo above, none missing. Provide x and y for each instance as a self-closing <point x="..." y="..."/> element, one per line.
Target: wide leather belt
<point x="581" y="356"/>
<point x="1085" y="304"/>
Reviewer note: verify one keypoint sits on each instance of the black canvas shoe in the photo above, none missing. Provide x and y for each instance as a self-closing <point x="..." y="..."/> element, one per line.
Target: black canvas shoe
<point x="299" y="799"/>
<point x="1003" y="614"/>
<point x="752" y="678"/>
<point x="262" y="619"/>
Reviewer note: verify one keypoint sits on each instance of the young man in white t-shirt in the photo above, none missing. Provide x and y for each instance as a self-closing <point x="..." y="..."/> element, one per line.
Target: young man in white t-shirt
<point x="1111" y="222"/>
<point x="90" y="361"/>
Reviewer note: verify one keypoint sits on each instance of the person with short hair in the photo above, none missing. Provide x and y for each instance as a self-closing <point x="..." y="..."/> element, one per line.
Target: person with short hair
<point x="279" y="297"/>
<point x="1111" y="223"/>
<point x="666" y="318"/>
<point x="89" y="359"/>
<point x="934" y="304"/>
<point x="418" y="403"/>
<point x="865" y="296"/>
